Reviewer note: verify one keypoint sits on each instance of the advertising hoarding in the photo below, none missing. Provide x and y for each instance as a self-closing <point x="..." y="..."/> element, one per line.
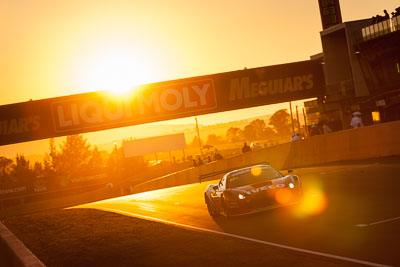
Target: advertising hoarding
<point x="173" y="99"/>
<point x="154" y="144"/>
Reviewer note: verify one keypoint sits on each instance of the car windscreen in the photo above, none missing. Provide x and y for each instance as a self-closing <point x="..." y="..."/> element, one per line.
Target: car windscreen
<point x="246" y="177"/>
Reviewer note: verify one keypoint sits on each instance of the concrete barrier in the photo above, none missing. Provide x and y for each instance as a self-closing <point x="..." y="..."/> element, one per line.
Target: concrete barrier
<point x="13" y="252"/>
<point x="374" y="141"/>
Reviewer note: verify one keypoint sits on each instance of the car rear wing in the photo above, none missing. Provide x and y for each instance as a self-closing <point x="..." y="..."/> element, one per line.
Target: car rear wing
<point x="207" y="175"/>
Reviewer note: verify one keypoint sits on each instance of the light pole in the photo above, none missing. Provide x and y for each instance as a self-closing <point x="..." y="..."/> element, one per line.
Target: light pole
<point x="198" y="137"/>
<point x="116" y="157"/>
<point x="291" y="116"/>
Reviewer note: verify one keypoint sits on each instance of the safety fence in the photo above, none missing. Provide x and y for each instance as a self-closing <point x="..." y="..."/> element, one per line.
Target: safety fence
<point x="381" y="28"/>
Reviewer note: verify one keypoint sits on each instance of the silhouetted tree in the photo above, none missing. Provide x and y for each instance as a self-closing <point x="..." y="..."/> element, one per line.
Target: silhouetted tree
<point x="259" y="126"/>
<point x="234" y="134"/>
<point x="6" y="166"/>
<point x="280" y="121"/>
<point x="38" y="170"/>
<point x="195" y="142"/>
<point x="22" y="172"/>
<point x="96" y="160"/>
<point x="213" y="139"/>
<point x="112" y="161"/>
<point x="75" y="154"/>
<point x="249" y="133"/>
<point x="268" y="132"/>
<point x="52" y="160"/>
<point x="132" y="166"/>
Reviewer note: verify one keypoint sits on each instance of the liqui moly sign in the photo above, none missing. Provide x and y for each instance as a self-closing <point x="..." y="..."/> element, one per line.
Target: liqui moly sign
<point x="143" y="105"/>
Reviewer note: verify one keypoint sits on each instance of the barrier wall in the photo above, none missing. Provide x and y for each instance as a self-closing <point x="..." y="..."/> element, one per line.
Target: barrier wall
<point x="376" y="141"/>
<point x="13" y="252"/>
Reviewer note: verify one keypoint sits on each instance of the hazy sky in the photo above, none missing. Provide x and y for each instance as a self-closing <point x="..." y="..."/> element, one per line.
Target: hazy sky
<point x="52" y="48"/>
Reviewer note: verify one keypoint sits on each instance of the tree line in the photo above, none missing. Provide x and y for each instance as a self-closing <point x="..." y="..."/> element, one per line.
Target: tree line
<point x="73" y="157"/>
<point x="279" y="125"/>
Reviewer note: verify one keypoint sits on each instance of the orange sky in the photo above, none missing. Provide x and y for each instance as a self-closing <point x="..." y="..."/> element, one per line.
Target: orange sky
<point x="52" y="48"/>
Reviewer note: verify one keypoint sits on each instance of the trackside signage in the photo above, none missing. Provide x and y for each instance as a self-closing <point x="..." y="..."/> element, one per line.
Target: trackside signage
<point x="145" y="104"/>
<point x="160" y="101"/>
<point x="154" y="144"/>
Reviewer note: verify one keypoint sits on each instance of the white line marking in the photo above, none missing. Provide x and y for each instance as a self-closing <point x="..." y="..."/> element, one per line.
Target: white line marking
<point x="245" y="238"/>
<point x="369" y="224"/>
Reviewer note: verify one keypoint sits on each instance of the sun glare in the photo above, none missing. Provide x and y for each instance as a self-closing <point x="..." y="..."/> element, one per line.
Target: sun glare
<point x="256" y="170"/>
<point x="117" y="68"/>
<point x="283" y="196"/>
<point x="314" y="203"/>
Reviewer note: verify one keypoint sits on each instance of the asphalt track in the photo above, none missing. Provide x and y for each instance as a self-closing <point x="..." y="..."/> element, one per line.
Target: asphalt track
<point x="351" y="213"/>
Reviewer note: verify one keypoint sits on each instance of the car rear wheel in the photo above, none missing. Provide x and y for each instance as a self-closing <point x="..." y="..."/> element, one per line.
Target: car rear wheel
<point x="210" y="209"/>
<point x="225" y="208"/>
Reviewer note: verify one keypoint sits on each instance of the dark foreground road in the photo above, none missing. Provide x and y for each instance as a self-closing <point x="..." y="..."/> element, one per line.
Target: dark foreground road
<point x="351" y="213"/>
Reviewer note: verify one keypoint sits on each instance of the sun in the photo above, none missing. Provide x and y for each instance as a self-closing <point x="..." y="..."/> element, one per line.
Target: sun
<point x="117" y="69"/>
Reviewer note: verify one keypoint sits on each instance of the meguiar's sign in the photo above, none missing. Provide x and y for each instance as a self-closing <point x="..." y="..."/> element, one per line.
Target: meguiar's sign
<point x="160" y="101"/>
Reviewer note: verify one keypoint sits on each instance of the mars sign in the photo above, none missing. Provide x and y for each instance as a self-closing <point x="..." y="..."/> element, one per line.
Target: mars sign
<point x="96" y="111"/>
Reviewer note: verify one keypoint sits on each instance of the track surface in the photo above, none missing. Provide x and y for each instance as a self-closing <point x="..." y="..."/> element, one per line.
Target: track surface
<point x="361" y="218"/>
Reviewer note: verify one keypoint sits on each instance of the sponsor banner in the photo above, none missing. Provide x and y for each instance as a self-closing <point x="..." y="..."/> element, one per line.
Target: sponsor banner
<point x="160" y="101"/>
<point x="15" y="190"/>
<point x="330" y="13"/>
<point x="89" y="178"/>
<point x="11" y="190"/>
<point x="39" y="185"/>
<point x="7" y="191"/>
<point x="83" y="178"/>
<point x="154" y="144"/>
<point x="147" y="103"/>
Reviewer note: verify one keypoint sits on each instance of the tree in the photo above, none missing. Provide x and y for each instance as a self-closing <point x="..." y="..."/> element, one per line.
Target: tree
<point x="249" y="132"/>
<point x="6" y="166"/>
<point x="213" y="139"/>
<point x="259" y="126"/>
<point x="38" y="170"/>
<point x="75" y="155"/>
<point x="52" y="160"/>
<point x="22" y="171"/>
<point x="96" y="160"/>
<point x="268" y="132"/>
<point x="195" y="142"/>
<point x="112" y="161"/>
<point x="280" y="121"/>
<point x="234" y="134"/>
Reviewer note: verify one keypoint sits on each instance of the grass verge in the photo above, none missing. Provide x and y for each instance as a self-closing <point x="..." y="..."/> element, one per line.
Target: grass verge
<point x="84" y="237"/>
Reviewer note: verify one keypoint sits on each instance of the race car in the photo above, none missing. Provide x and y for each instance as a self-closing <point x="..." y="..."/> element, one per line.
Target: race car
<point x="252" y="189"/>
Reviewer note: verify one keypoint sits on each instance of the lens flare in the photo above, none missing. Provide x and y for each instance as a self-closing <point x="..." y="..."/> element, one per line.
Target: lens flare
<point x="283" y="196"/>
<point x="256" y="170"/>
<point x="314" y="203"/>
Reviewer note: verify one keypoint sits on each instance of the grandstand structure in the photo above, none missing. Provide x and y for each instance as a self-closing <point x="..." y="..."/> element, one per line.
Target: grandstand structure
<point x="361" y="62"/>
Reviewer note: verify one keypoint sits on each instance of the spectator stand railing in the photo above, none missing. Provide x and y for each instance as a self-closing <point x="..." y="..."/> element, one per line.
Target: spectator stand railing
<point x="381" y="28"/>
